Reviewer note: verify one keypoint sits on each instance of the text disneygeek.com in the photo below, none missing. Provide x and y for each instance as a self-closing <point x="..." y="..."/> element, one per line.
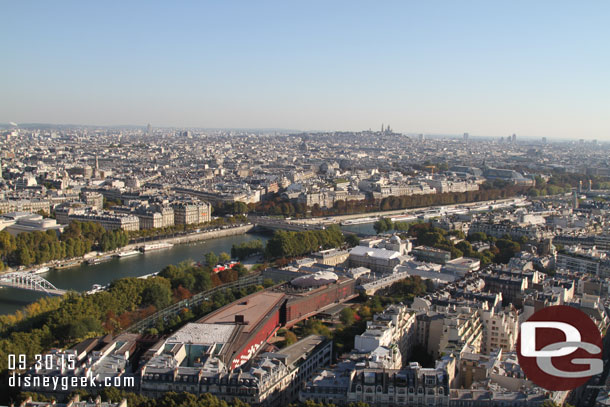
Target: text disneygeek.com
<point x="45" y="374"/>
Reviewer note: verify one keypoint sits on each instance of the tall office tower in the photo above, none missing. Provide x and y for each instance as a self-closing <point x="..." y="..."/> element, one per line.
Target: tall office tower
<point x="420" y="137"/>
<point x="543" y="140"/>
<point x="465" y="136"/>
<point x="149" y="130"/>
<point x="514" y="138"/>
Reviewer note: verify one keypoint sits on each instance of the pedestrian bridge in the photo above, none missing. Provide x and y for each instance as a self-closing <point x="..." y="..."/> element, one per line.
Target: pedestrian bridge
<point x="29" y="281"/>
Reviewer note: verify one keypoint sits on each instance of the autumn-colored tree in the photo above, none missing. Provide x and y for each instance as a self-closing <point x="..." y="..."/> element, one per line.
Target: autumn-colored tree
<point x="181" y="293"/>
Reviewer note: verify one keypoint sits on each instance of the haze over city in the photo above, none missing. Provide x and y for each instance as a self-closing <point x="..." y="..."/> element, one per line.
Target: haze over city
<point x="538" y="69"/>
<point x="304" y="204"/>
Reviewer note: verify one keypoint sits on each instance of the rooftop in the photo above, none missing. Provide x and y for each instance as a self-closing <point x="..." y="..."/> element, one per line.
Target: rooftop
<point x="302" y="348"/>
<point x="204" y="334"/>
<point x="252" y="308"/>
<point x="374" y="252"/>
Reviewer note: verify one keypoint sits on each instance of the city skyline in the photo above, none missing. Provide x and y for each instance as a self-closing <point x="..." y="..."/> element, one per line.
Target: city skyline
<point x="491" y="70"/>
<point x="304" y="204"/>
<point x="228" y="131"/>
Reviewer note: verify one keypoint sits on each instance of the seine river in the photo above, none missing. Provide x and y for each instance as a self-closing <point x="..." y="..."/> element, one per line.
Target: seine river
<point x="83" y="277"/>
<point x="361" y="229"/>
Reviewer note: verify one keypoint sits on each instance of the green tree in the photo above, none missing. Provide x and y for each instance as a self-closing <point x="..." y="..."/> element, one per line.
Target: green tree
<point x="289" y="338"/>
<point x="431" y="239"/>
<point x="352" y="240"/>
<point x="383" y="225"/>
<point x="243" y="250"/>
<point x="347" y="316"/>
<point x="508" y="249"/>
<point x="211" y="259"/>
<point x="477" y="237"/>
<point x="79" y="329"/>
<point x="158" y="293"/>
<point x="224" y="257"/>
<point x="465" y="247"/>
<point x="315" y="327"/>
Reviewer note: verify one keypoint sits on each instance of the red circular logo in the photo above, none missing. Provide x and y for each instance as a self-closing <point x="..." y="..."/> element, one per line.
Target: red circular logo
<point x="559" y="348"/>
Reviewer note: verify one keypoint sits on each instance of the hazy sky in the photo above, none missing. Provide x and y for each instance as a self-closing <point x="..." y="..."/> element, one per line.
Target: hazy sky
<point x="491" y="68"/>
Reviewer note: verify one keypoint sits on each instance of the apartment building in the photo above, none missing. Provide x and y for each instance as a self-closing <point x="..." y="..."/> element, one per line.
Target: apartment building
<point x="155" y="216"/>
<point x="588" y="261"/>
<point x="446" y="329"/>
<point x="93" y="199"/>
<point x="410" y="386"/>
<point x="192" y="212"/>
<point x="24" y="205"/>
<point x="108" y="220"/>
<point x="500" y="329"/>
<point x="272" y="379"/>
<point x="431" y="254"/>
<point x="395" y="325"/>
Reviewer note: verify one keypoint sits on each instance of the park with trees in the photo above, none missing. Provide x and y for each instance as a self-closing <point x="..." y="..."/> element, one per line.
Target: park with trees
<point x="77" y="239"/>
<point x="278" y="206"/>
<point x="292" y="244"/>
<point x="499" y="251"/>
<point x="64" y="321"/>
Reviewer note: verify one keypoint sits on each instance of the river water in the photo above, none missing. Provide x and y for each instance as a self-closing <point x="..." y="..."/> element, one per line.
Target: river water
<point x="361" y="229"/>
<point x="83" y="277"/>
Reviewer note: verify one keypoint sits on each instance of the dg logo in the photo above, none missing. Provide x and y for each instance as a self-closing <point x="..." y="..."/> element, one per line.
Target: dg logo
<point x="560" y="348"/>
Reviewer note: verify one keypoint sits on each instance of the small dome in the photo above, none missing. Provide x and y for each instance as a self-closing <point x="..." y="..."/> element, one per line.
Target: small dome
<point x="395" y="240"/>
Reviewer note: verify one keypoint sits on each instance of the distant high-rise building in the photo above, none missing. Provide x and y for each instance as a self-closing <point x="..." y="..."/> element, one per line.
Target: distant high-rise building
<point x="514" y="138"/>
<point x="543" y="140"/>
<point x="96" y="170"/>
<point x="149" y="130"/>
<point x="420" y="137"/>
<point x="465" y="136"/>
